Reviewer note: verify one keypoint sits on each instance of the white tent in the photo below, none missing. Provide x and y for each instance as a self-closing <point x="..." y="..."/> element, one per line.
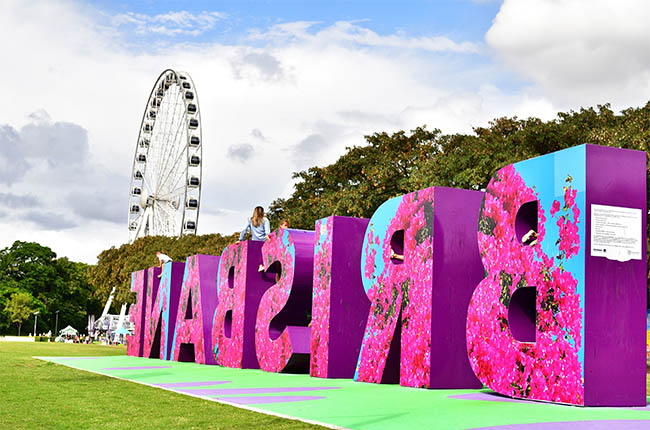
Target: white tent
<point x="68" y="331"/>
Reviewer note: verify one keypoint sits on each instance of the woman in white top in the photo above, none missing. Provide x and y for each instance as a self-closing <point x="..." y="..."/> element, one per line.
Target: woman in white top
<point x="163" y="258"/>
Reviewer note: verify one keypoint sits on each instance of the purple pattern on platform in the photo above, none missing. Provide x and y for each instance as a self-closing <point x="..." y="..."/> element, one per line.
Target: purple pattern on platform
<point x="488" y="397"/>
<point x="279" y="337"/>
<point x="495" y="397"/>
<point x="268" y="390"/>
<point x="576" y="425"/>
<point x="267" y="399"/>
<point x="190" y="384"/>
<point x="76" y="358"/>
<point x="136" y="367"/>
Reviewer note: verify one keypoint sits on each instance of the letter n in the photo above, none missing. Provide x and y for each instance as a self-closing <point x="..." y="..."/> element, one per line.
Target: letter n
<point x="162" y="305"/>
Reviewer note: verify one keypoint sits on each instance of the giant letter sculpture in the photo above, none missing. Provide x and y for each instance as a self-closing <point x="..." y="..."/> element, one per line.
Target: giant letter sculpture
<point x="425" y="289"/>
<point x="339" y="302"/>
<point x="239" y="287"/>
<point x="162" y="305"/>
<point x="281" y="331"/>
<point x="137" y="313"/>
<point x="198" y="300"/>
<point x="581" y="338"/>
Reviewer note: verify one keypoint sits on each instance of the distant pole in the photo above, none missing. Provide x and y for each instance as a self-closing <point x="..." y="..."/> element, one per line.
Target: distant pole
<point x="35" y="319"/>
<point x="56" y="325"/>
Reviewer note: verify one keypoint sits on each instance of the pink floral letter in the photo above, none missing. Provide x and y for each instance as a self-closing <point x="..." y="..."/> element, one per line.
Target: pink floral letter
<point x="136" y="313"/>
<point x="193" y="340"/>
<point x="549" y="368"/>
<point x="239" y="288"/>
<point x="281" y="332"/>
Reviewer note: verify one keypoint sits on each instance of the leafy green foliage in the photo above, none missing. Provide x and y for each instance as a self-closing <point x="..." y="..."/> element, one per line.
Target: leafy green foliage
<point x="19" y="308"/>
<point x="52" y="284"/>
<point x="359" y="181"/>
<point x="468" y="161"/>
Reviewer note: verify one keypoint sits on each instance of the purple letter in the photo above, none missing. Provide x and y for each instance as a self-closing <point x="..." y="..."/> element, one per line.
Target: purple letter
<point x="281" y="332"/>
<point x="339" y="302"/>
<point x="557" y="318"/>
<point x="161" y="313"/>
<point x="137" y="313"/>
<point x="240" y="287"/>
<point x="425" y="289"/>
<point x="193" y="337"/>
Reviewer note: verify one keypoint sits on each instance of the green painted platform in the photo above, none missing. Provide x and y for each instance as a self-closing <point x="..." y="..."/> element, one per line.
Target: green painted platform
<point x="342" y="403"/>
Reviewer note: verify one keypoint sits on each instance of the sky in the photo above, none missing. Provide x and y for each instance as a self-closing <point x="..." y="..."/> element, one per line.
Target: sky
<point x="283" y="86"/>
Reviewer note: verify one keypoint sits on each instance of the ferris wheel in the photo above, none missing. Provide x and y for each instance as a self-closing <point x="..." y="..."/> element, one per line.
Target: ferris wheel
<point x="165" y="190"/>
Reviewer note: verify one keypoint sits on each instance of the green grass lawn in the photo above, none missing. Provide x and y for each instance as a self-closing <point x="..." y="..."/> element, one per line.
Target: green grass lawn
<point x="37" y="394"/>
<point x="40" y="395"/>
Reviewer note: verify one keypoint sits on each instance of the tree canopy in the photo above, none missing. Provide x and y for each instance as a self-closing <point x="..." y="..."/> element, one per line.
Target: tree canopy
<point x="391" y="165"/>
<point x="19" y="308"/>
<point x="359" y="181"/>
<point x="32" y="277"/>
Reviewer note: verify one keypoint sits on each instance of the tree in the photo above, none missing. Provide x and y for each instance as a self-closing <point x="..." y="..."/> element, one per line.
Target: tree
<point x="359" y="181"/>
<point x="54" y="285"/>
<point x="19" y="308"/>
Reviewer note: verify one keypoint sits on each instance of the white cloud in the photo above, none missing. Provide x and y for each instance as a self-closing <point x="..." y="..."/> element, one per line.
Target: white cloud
<point x="258" y="65"/>
<point x="10" y="200"/>
<point x="578" y="51"/>
<point x="350" y="32"/>
<point x="241" y="152"/>
<point x="12" y="161"/>
<point x="308" y="150"/>
<point x="49" y="220"/>
<point x="60" y="187"/>
<point x="257" y="134"/>
<point x="171" y="23"/>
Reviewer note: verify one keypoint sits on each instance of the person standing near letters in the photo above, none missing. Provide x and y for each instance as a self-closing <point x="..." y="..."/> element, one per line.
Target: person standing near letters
<point x="162" y="258"/>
